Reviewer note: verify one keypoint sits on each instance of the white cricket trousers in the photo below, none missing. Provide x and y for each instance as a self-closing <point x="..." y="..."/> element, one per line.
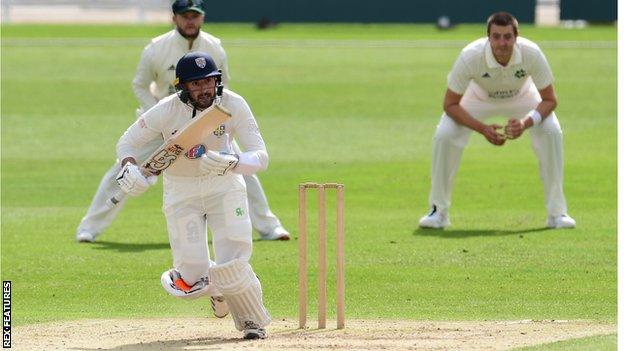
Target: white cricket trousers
<point x="100" y="215"/>
<point x="194" y="204"/>
<point x="450" y="139"/>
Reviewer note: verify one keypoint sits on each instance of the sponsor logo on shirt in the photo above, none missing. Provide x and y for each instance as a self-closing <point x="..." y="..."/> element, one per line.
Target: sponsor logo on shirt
<point x="196" y="151"/>
<point x="503" y="94"/>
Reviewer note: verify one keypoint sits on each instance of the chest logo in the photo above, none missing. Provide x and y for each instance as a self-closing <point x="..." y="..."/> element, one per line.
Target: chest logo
<point x="196" y="151"/>
<point x="520" y="73"/>
<point x="219" y="131"/>
<point x="485" y="75"/>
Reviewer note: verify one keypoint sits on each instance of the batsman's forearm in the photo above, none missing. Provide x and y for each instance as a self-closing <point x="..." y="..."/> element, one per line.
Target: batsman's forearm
<point x="461" y="116"/>
<point x="252" y="162"/>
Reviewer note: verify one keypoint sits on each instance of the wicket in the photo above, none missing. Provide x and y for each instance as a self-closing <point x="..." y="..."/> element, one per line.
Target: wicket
<point x="322" y="237"/>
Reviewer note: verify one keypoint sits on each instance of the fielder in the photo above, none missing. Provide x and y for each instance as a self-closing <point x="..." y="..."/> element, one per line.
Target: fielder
<point x="506" y="75"/>
<point x="153" y="81"/>
<point x="204" y="189"/>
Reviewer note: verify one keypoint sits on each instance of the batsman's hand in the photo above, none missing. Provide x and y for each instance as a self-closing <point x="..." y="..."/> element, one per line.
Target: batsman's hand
<point x="514" y="128"/>
<point x="218" y="162"/>
<point x="132" y="181"/>
<point x="490" y="132"/>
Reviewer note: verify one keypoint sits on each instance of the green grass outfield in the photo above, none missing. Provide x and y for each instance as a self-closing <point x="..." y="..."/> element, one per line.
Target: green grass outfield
<point x="355" y="104"/>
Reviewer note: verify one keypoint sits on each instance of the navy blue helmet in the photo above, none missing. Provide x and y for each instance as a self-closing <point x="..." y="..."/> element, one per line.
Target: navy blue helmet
<point x="195" y="66"/>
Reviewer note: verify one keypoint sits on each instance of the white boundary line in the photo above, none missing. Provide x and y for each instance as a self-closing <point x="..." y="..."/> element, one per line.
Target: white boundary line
<point x="296" y="43"/>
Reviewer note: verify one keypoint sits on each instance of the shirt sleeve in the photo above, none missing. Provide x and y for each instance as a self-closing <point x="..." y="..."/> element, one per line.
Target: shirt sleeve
<point x="541" y="73"/>
<point x="247" y="133"/>
<point x="142" y="131"/>
<point x="225" y="71"/>
<point x="144" y="76"/>
<point x="459" y="77"/>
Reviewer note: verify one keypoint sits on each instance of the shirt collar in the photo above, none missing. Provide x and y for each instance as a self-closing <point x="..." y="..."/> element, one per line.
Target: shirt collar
<point x="516" y="56"/>
<point x="182" y="40"/>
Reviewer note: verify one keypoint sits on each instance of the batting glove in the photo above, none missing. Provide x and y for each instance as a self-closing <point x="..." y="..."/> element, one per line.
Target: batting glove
<point x="132" y="181"/>
<point x="218" y="163"/>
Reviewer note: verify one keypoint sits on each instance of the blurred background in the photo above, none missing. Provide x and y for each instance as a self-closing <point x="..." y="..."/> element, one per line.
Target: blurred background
<point x="541" y="12"/>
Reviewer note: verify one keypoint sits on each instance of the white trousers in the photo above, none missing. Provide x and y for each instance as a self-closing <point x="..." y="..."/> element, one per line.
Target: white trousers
<point x="99" y="216"/>
<point x="450" y="139"/>
<point x="194" y="204"/>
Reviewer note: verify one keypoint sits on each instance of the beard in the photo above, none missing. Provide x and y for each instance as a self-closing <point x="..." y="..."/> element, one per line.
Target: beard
<point x="203" y="101"/>
<point x="194" y="32"/>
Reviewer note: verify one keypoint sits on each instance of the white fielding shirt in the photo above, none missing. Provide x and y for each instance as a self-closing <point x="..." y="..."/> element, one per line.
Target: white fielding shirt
<point x="171" y="114"/>
<point x="476" y="63"/>
<point x="159" y="59"/>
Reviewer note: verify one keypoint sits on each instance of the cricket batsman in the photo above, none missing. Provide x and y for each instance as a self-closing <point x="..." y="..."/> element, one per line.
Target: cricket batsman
<point x="203" y="190"/>
<point x="153" y="81"/>
<point x="500" y="75"/>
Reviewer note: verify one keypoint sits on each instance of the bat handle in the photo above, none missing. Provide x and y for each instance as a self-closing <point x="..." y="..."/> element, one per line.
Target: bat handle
<point x="115" y="199"/>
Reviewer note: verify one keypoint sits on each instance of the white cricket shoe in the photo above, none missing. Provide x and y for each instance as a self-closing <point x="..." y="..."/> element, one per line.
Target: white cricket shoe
<point x="220" y="308"/>
<point x="253" y="331"/>
<point x="85" y="237"/>
<point x="278" y="233"/>
<point x="435" y="219"/>
<point x="562" y="221"/>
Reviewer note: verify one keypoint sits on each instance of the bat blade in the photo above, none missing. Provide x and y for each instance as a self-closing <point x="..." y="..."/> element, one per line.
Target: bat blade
<point x="191" y="134"/>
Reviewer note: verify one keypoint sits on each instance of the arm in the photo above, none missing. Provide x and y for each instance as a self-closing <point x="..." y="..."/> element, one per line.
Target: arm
<point x="454" y="110"/>
<point x="254" y="160"/>
<point x="143" y="77"/>
<point x="137" y="135"/>
<point x="515" y="127"/>
<point x="225" y="71"/>
<point x="131" y="178"/>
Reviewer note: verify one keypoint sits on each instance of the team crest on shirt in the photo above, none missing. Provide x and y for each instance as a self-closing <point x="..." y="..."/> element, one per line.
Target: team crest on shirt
<point x="201" y="62"/>
<point x="219" y="131"/>
<point x="520" y="73"/>
<point x="196" y="151"/>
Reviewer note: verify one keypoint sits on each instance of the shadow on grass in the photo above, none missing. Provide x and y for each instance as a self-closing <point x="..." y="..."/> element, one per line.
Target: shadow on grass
<point x="459" y="234"/>
<point x="129" y="247"/>
<point x="183" y="344"/>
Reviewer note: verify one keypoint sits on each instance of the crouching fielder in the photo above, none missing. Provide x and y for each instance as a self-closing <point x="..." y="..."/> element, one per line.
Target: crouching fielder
<point x="205" y="189"/>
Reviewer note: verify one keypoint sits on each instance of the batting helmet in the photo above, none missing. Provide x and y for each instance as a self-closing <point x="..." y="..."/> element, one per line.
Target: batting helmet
<point x="195" y="66"/>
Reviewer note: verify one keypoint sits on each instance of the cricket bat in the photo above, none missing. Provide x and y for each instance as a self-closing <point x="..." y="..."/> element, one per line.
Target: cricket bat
<point x="194" y="132"/>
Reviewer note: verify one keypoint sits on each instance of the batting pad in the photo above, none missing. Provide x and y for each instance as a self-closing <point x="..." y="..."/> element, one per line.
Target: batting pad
<point x="242" y="291"/>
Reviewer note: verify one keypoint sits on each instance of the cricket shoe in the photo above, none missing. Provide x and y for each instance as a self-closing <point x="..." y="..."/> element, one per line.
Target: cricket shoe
<point x="561" y="221"/>
<point x="277" y="233"/>
<point x="220" y="308"/>
<point x="253" y="331"/>
<point x="435" y="219"/>
<point x="85" y="237"/>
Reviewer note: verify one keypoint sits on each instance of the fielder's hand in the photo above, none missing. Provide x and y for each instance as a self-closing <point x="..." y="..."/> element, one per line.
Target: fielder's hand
<point x="514" y="128"/>
<point x="219" y="163"/>
<point x="132" y="181"/>
<point x="490" y="132"/>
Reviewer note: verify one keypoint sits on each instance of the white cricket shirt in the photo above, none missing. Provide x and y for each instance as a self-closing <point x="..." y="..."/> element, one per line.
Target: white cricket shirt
<point x="171" y="114"/>
<point x="159" y="59"/>
<point x="476" y="63"/>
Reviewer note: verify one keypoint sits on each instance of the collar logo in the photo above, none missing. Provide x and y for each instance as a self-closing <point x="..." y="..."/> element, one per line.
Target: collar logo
<point x="200" y="62"/>
<point x="520" y="73"/>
